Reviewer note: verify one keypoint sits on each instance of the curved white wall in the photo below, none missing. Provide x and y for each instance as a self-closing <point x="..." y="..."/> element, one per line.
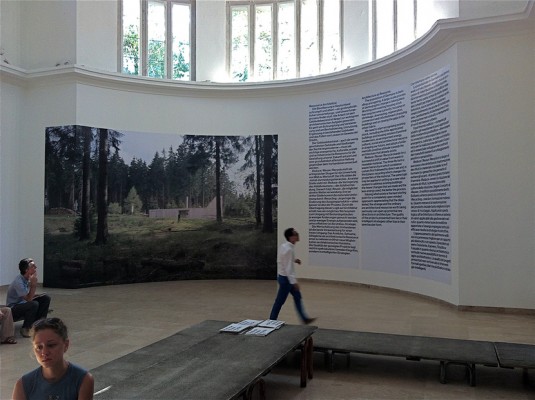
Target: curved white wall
<point x="493" y="99"/>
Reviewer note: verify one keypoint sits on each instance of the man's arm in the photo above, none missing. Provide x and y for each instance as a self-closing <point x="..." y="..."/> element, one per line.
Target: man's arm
<point x="33" y="286"/>
<point x="286" y="261"/>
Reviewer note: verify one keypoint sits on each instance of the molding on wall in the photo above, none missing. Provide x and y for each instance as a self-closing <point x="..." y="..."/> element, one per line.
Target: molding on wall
<point x="14" y="75"/>
<point x="443" y="35"/>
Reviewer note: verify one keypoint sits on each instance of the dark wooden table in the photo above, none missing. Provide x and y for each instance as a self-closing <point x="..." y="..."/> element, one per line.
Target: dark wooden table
<point x="201" y="363"/>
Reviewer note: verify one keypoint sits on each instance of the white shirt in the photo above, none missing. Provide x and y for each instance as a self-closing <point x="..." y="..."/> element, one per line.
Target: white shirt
<point x="285" y="262"/>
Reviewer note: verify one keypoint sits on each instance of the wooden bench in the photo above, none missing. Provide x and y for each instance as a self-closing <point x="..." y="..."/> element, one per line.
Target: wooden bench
<point x="516" y="355"/>
<point x="468" y="353"/>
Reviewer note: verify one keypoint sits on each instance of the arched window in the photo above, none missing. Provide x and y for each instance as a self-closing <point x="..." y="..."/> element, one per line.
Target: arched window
<point x="156" y="38"/>
<point x="270" y="39"/>
<point x="397" y="23"/>
<point x="281" y="39"/>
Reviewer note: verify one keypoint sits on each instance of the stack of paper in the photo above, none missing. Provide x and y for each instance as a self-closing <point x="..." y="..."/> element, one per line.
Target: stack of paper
<point x="241" y="326"/>
<point x="259" y="331"/>
<point x="271" y="323"/>
<point x="256" y="327"/>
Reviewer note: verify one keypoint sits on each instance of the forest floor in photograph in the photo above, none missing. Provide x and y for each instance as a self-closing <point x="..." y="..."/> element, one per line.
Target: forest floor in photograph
<point x="142" y="249"/>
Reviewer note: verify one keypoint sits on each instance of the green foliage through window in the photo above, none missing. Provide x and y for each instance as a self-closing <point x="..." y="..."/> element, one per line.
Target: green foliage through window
<point x="153" y="60"/>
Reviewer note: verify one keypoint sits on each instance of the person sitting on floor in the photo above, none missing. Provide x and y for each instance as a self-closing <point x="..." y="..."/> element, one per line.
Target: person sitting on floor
<point x="23" y="300"/>
<point x="7" y="331"/>
<point x="56" y="378"/>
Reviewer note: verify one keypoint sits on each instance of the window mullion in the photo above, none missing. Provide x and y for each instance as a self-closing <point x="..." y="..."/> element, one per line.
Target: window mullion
<point x="169" y="40"/>
<point x="120" y="36"/>
<point x="229" y="38"/>
<point x="297" y="38"/>
<point x="144" y="38"/>
<point x="193" y="41"/>
<point x="415" y="20"/>
<point x="275" y="39"/>
<point x="395" y="23"/>
<point x="252" y="38"/>
<point x="321" y="4"/>
<point x="374" y="29"/>
<point x="341" y="32"/>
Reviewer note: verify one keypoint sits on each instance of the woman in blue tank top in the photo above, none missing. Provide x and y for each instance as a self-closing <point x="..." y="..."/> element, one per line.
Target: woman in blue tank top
<point x="56" y="378"/>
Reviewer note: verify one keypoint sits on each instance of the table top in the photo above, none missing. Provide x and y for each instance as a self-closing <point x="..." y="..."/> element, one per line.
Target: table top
<point x="198" y="362"/>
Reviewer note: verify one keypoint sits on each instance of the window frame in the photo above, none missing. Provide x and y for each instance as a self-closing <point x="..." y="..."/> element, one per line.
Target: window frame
<point x="251" y="7"/>
<point x="143" y="51"/>
<point x="395" y="26"/>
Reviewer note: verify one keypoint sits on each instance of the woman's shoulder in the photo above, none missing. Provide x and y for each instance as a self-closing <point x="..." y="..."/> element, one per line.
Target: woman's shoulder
<point x="76" y="369"/>
<point x="31" y="374"/>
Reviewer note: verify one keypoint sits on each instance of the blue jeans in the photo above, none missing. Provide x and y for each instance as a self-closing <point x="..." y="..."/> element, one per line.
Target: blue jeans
<point x="286" y="288"/>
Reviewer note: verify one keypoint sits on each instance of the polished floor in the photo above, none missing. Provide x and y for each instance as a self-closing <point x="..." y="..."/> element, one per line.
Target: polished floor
<point x="108" y="322"/>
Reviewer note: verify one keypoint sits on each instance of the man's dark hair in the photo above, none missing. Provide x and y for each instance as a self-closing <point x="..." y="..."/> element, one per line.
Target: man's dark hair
<point x="289" y="232"/>
<point x="24" y="264"/>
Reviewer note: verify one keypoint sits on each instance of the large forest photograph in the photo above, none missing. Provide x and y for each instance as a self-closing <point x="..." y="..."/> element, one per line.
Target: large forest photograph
<point x="128" y="207"/>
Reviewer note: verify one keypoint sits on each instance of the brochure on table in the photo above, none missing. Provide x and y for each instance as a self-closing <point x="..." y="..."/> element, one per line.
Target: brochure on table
<point x="253" y="327"/>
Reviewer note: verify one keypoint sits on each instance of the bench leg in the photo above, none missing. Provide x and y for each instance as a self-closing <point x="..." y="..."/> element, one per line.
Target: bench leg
<point x="470" y="371"/>
<point x="329" y="360"/>
<point x="248" y="394"/>
<point x="443" y="372"/>
<point x="262" y="387"/>
<point x="328" y="356"/>
<point x="307" y="361"/>
<point x="310" y="358"/>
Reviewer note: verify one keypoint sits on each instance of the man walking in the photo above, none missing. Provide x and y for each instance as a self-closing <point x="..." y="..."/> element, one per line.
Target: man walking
<point x="286" y="277"/>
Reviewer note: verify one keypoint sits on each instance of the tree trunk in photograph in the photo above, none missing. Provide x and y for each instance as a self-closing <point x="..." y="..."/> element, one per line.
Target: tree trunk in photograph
<point x="268" y="215"/>
<point x="102" y="192"/>
<point x="85" y="223"/>
<point x="258" y="155"/>
<point x="218" y="179"/>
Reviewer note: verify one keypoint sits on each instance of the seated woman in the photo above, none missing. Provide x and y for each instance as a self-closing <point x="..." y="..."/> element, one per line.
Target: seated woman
<point x="7" y="329"/>
<point x="56" y="378"/>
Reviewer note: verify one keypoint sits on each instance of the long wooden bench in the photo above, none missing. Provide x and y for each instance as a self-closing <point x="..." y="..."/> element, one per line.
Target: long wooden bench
<point x="516" y="355"/>
<point x="468" y="353"/>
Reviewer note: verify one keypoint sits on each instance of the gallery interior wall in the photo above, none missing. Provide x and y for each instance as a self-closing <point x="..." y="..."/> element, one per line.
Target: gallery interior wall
<point x="493" y="101"/>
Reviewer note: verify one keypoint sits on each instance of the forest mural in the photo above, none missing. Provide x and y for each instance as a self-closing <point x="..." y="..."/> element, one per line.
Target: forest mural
<point x="125" y="207"/>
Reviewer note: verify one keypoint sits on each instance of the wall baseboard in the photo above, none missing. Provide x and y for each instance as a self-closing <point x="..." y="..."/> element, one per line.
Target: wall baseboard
<point x="485" y="309"/>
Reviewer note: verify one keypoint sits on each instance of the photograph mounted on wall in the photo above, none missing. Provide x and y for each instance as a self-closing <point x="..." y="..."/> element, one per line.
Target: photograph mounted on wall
<point x="126" y="207"/>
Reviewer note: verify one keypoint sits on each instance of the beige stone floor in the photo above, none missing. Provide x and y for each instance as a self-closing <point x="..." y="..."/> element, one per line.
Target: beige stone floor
<point x="108" y="322"/>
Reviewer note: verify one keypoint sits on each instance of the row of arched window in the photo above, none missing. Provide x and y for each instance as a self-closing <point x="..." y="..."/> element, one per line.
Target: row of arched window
<point x="266" y="39"/>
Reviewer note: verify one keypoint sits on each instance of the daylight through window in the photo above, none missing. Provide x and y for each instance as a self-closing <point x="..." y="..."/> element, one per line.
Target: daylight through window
<point x="265" y="40"/>
<point x="156" y="38"/>
<point x="283" y="39"/>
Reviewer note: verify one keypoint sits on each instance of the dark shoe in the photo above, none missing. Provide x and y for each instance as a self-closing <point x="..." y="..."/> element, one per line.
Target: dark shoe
<point x="24" y="332"/>
<point x="308" y="321"/>
<point x="9" y="340"/>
